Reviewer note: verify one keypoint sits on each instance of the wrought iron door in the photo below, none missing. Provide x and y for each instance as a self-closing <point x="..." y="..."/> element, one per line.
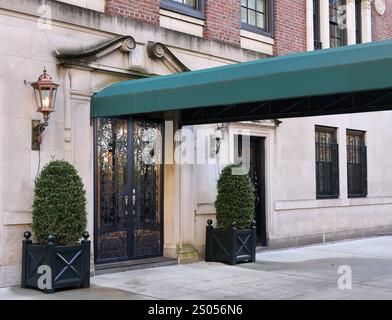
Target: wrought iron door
<point x="146" y="191"/>
<point x="128" y="179"/>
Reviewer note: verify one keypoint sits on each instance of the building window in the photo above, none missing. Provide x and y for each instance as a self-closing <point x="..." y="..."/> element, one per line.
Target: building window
<point x="191" y="3"/>
<point x="358" y="21"/>
<point x="356" y="164"/>
<point x="256" y="16"/>
<point x="316" y="25"/>
<point x="327" y="163"/>
<point x="193" y="8"/>
<point x="337" y="23"/>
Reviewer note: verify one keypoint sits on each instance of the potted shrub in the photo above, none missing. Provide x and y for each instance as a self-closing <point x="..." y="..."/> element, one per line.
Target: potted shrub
<point x="58" y="259"/>
<point x="234" y="239"/>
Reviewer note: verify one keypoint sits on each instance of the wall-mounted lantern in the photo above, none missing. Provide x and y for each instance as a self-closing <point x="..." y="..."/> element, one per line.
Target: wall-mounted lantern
<point x="221" y="130"/>
<point x="45" y="91"/>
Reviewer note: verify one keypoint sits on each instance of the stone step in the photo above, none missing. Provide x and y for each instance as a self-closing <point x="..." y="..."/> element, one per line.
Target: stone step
<point x="134" y="265"/>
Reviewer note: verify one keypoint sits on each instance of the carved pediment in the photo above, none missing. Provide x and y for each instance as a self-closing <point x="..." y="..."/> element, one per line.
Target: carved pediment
<point x="109" y="56"/>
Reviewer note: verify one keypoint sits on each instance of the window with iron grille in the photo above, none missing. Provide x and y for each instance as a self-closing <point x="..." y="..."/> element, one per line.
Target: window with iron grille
<point x="327" y="163"/>
<point x="337" y="23"/>
<point x="257" y="16"/>
<point x="316" y="25"/>
<point x="193" y="8"/>
<point x="356" y="164"/>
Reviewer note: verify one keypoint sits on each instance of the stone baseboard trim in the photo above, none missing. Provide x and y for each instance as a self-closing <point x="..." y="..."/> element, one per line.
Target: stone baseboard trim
<point x="327" y="237"/>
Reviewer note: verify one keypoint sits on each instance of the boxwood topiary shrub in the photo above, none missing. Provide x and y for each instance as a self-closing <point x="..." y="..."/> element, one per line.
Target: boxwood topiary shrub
<point x="59" y="206"/>
<point x="235" y="201"/>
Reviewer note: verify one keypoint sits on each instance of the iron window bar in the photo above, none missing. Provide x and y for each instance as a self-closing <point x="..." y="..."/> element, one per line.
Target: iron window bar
<point x="356" y="164"/>
<point x="327" y="163"/>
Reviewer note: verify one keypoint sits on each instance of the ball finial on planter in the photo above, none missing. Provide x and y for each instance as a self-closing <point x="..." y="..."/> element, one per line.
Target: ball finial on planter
<point x="86" y="235"/>
<point x="27" y="235"/>
<point x="51" y="239"/>
<point x="209" y="222"/>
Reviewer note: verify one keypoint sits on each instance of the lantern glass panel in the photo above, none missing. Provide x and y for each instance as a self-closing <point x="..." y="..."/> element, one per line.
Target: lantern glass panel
<point x="37" y="95"/>
<point x="46" y="98"/>
<point x="54" y="94"/>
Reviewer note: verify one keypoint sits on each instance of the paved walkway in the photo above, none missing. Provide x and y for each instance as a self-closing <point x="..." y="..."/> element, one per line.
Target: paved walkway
<point x="301" y="273"/>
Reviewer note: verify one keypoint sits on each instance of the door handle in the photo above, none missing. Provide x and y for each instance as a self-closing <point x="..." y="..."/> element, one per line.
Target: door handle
<point x="126" y="204"/>
<point x="133" y="197"/>
<point x="133" y="201"/>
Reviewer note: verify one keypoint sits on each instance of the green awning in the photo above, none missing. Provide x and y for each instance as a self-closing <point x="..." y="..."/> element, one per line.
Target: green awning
<point x="356" y="68"/>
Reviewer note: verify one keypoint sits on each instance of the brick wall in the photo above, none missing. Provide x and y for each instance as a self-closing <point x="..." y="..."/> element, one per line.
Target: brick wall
<point x="382" y="25"/>
<point x="223" y="21"/>
<point x="290" y="26"/>
<point x="145" y="10"/>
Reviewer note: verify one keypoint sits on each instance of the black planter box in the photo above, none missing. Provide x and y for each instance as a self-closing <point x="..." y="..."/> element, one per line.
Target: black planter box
<point x="70" y="264"/>
<point x="230" y="245"/>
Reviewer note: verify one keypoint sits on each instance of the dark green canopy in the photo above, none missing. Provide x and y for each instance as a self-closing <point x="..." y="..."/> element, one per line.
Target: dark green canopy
<point x="349" y="69"/>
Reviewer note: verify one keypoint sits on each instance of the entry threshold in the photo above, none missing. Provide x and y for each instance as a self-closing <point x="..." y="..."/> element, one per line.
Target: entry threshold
<point x="134" y="265"/>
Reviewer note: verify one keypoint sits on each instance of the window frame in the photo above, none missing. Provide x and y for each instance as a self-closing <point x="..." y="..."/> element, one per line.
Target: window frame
<point x="187" y="10"/>
<point x="343" y="31"/>
<point x="362" y="164"/>
<point x="317" y="44"/>
<point x="269" y="31"/>
<point x="358" y="21"/>
<point x="335" y="187"/>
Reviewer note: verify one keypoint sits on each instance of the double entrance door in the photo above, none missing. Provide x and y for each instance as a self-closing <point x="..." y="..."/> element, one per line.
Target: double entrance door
<point x="128" y="189"/>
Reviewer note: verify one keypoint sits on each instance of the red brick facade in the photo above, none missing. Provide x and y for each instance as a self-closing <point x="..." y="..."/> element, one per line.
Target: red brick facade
<point x="382" y="25"/>
<point x="290" y="26"/>
<point x="223" y="21"/>
<point x="144" y="10"/>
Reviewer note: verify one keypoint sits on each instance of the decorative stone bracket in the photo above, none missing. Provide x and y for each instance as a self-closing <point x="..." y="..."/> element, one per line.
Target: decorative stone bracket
<point x="157" y="50"/>
<point x="123" y="43"/>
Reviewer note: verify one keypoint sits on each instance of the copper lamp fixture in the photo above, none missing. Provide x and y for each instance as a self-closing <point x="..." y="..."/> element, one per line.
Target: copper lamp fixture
<point x="45" y="91"/>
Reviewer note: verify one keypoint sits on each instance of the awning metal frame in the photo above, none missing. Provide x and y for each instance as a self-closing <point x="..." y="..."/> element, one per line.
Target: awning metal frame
<point x="368" y="101"/>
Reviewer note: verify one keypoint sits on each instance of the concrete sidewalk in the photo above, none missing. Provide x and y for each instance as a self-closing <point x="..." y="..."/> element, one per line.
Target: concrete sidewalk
<point x="300" y="273"/>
